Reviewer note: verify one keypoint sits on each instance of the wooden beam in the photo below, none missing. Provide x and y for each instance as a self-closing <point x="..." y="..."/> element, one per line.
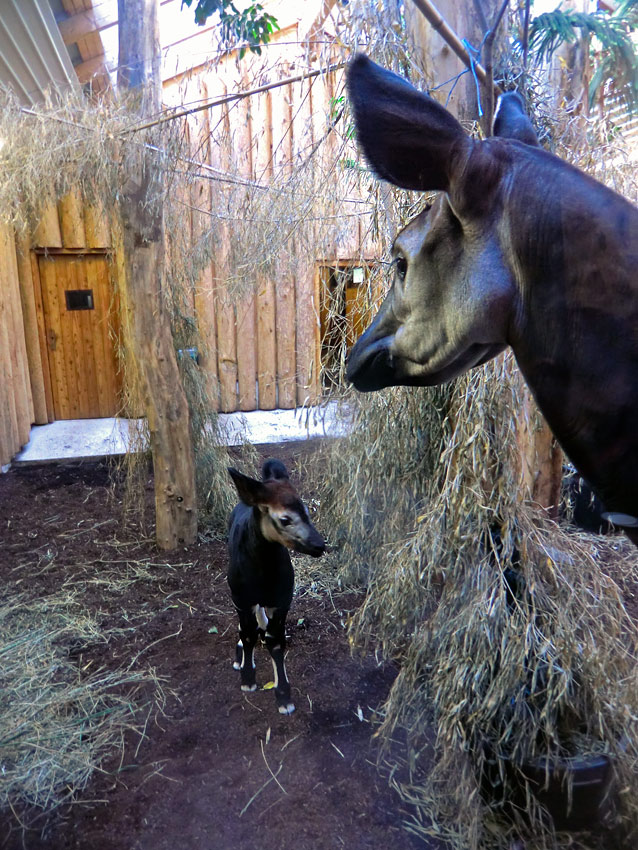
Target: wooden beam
<point x="83" y="23"/>
<point x="29" y="315"/>
<point x="88" y="69"/>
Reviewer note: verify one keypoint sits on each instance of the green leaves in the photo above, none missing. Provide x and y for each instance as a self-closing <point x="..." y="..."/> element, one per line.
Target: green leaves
<point x="614" y="58"/>
<point x="251" y="27"/>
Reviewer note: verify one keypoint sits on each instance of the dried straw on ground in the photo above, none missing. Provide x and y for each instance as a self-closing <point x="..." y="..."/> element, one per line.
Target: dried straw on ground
<point x="57" y="725"/>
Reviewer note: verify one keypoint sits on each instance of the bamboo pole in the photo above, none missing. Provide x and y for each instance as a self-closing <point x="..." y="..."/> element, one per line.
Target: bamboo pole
<point x="236" y="96"/>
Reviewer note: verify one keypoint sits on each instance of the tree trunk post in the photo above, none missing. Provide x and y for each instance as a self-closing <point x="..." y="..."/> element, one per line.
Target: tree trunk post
<point x="147" y="318"/>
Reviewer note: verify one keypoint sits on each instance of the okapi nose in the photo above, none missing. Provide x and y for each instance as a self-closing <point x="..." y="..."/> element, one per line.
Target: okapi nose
<point x="316" y="545"/>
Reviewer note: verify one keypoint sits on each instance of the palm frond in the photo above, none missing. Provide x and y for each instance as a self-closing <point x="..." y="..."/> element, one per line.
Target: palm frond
<point x="616" y="59"/>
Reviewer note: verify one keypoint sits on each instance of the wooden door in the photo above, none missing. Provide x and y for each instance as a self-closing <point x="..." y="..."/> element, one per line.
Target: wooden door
<point x="79" y="320"/>
<point x="344" y="315"/>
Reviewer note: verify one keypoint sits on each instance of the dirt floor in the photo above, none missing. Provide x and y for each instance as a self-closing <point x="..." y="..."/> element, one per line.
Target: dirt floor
<point x="216" y="769"/>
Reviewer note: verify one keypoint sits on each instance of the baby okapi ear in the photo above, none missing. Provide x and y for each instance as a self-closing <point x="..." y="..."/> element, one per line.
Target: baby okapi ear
<point x="511" y="121"/>
<point x="274" y="470"/>
<point x="250" y="491"/>
<point x="407" y="137"/>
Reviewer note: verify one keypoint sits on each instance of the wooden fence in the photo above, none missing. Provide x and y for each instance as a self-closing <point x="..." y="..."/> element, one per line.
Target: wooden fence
<point x="263" y="350"/>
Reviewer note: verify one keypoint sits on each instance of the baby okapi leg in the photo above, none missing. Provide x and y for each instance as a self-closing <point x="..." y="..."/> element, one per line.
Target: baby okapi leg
<point x="245" y="661"/>
<point x="275" y="639"/>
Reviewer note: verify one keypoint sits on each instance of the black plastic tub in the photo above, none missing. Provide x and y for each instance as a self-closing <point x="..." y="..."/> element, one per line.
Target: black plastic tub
<point x="576" y="791"/>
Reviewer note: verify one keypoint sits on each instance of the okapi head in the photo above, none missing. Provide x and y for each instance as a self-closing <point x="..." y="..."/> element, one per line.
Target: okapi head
<point x="520" y="249"/>
<point x="283" y="517"/>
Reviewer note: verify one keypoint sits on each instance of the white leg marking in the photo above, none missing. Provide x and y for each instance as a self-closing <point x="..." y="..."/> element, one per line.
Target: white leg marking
<point x="249" y="687"/>
<point x="286" y="709"/>
<point x="236" y="664"/>
<point x="261" y="616"/>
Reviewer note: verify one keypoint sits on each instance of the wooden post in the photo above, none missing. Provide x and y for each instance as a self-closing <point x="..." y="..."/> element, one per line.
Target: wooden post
<point x="286" y="322"/>
<point x="246" y="309"/>
<point x="72" y="220"/>
<point x="142" y="285"/>
<point x="9" y="432"/>
<point x="201" y="203"/>
<point x="29" y="315"/>
<point x="96" y="225"/>
<point x="47" y="233"/>
<point x="226" y="338"/>
<point x="541" y="457"/>
<point x="42" y="340"/>
<point x="266" y="296"/>
<point x="22" y="384"/>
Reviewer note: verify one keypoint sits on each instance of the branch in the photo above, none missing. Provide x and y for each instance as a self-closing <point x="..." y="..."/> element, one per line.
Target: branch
<point x="436" y="20"/>
<point x="481" y="14"/>
<point x="488" y="52"/>
<point x="526" y="34"/>
<point x="237" y="96"/>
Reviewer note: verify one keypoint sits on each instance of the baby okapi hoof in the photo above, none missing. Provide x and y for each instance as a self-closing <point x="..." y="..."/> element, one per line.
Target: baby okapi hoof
<point x="249" y="688"/>
<point x="285" y="704"/>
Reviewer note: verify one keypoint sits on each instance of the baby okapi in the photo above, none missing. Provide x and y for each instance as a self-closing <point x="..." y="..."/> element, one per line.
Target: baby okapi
<point x="269" y="520"/>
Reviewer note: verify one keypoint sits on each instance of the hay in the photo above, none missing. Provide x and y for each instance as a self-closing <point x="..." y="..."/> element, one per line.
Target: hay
<point x="58" y="720"/>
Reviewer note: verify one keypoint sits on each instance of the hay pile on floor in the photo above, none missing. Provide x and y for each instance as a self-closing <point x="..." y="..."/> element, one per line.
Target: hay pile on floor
<point x="58" y="720"/>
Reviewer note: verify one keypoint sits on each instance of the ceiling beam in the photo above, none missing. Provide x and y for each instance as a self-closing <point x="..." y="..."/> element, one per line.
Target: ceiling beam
<point x="84" y="23"/>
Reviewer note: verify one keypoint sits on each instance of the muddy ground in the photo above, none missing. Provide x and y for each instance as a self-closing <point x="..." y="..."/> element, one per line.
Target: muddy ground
<point x="216" y="768"/>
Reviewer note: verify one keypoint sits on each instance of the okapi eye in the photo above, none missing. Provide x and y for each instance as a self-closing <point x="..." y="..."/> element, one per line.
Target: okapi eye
<point x="285" y="520"/>
<point x="402" y="267"/>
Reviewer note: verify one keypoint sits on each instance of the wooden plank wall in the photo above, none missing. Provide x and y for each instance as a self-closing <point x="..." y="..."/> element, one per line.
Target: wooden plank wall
<point x="25" y="382"/>
<point x="261" y="349"/>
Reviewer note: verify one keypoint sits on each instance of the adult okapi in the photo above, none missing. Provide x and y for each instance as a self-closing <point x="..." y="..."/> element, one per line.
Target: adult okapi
<point x="519" y="249"/>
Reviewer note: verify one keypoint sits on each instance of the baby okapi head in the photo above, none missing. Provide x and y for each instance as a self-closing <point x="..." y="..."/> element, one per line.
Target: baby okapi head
<point x="283" y="516"/>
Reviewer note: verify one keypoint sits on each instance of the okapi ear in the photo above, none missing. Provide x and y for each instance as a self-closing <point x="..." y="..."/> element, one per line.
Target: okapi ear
<point x="511" y="121"/>
<point x="250" y="491"/>
<point x="407" y="137"/>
